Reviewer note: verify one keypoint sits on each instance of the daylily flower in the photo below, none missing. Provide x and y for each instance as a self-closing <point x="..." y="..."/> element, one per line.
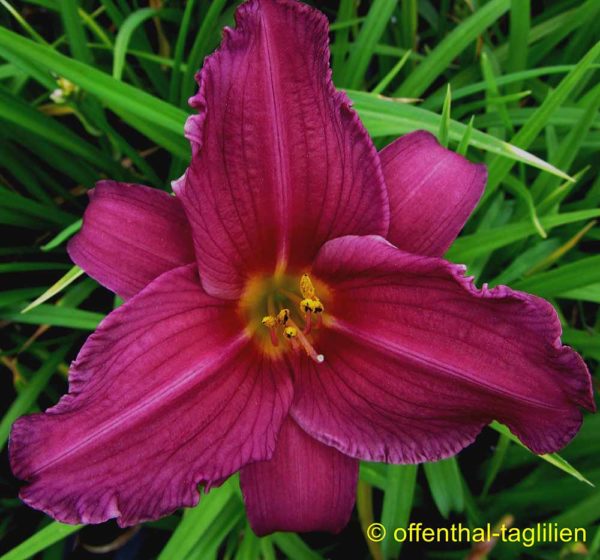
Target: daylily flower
<point x="288" y="312"/>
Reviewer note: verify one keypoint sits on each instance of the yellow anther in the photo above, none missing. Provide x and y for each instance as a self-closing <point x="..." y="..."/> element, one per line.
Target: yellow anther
<point x="306" y="287"/>
<point x="269" y="321"/>
<point x="311" y="305"/>
<point x="283" y="316"/>
<point x="290" y="332"/>
<point x="317" y="306"/>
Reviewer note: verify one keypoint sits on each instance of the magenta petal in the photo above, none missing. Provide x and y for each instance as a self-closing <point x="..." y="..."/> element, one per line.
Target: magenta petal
<point x="432" y="192"/>
<point x="281" y="162"/>
<point x="168" y="393"/>
<point x="417" y="360"/>
<point x="306" y="486"/>
<point x="131" y="234"/>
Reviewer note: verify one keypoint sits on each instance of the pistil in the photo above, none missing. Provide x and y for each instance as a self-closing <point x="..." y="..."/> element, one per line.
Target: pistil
<point x="305" y="343"/>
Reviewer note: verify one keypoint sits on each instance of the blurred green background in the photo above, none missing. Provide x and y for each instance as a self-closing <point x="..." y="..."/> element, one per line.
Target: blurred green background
<point x="92" y="89"/>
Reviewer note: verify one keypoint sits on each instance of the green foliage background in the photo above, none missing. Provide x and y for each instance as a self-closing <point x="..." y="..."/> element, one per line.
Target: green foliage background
<point x="524" y="99"/>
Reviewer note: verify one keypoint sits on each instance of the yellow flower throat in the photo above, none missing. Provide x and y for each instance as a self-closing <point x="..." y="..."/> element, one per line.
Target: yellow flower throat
<point x="280" y="318"/>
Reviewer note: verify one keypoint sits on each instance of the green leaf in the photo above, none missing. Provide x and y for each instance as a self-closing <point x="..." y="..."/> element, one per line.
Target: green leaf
<point x="109" y="91"/>
<point x="499" y="168"/>
<point x="249" y="548"/>
<point x="570" y="145"/>
<point x="374" y="474"/>
<point x="41" y="540"/>
<point x="450" y="47"/>
<point x="230" y="517"/>
<point x="466" y="138"/>
<point x="386" y="80"/>
<point x="587" y="293"/>
<point x="562" y="279"/>
<point x="436" y="100"/>
<point x="294" y="547"/>
<point x="446" y="485"/>
<point x="31" y="266"/>
<point x="176" y="75"/>
<point x="553" y="458"/>
<point x="522" y="263"/>
<point x="445" y="120"/>
<point x="62" y="236"/>
<point x="57" y="287"/>
<point x="339" y="49"/>
<point x="54" y="316"/>
<point x="10" y="297"/>
<point x="29" y="394"/>
<point x="22" y="21"/>
<point x="469" y="246"/>
<point x="75" y="31"/>
<point x="386" y="117"/>
<point x="397" y="503"/>
<point x="517" y="188"/>
<point x="174" y="143"/>
<point x="495" y="463"/>
<point x="126" y="30"/>
<point x="362" y="50"/>
<point x="22" y="115"/>
<point x="587" y="342"/>
<point x="22" y="206"/>
<point x="583" y="514"/>
<point x="203" y="41"/>
<point x="409" y="23"/>
<point x="196" y="521"/>
<point x="520" y="22"/>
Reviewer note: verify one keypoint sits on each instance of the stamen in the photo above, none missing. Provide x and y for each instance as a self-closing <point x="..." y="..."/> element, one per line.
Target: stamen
<point x="280" y="323"/>
<point x="319" y="321"/>
<point x="308" y="323"/>
<point x="305" y="343"/>
<point x="306" y="287"/>
<point x="271" y="322"/>
<point x="290" y="332"/>
<point x="283" y="317"/>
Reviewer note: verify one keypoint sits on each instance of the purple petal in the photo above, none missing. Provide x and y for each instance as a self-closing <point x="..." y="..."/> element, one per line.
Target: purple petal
<point x="131" y="234"/>
<point x="168" y="393"/>
<point x="281" y="163"/>
<point x="417" y="360"/>
<point x="306" y="486"/>
<point x="432" y="193"/>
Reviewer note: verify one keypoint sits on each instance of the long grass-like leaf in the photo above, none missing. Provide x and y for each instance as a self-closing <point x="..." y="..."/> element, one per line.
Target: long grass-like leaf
<point x="500" y="167"/>
<point x="110" y="91"/>
<point x="470" y="246"/>
<point x="552" y="458"/>
<point x="362" y="49"/>
<point x="44" y="538"/>
<point x="445" y="485"/>
<point x="452" y="45"/>
<point x="29" y="394"/>
<point x="385" y="117"/>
